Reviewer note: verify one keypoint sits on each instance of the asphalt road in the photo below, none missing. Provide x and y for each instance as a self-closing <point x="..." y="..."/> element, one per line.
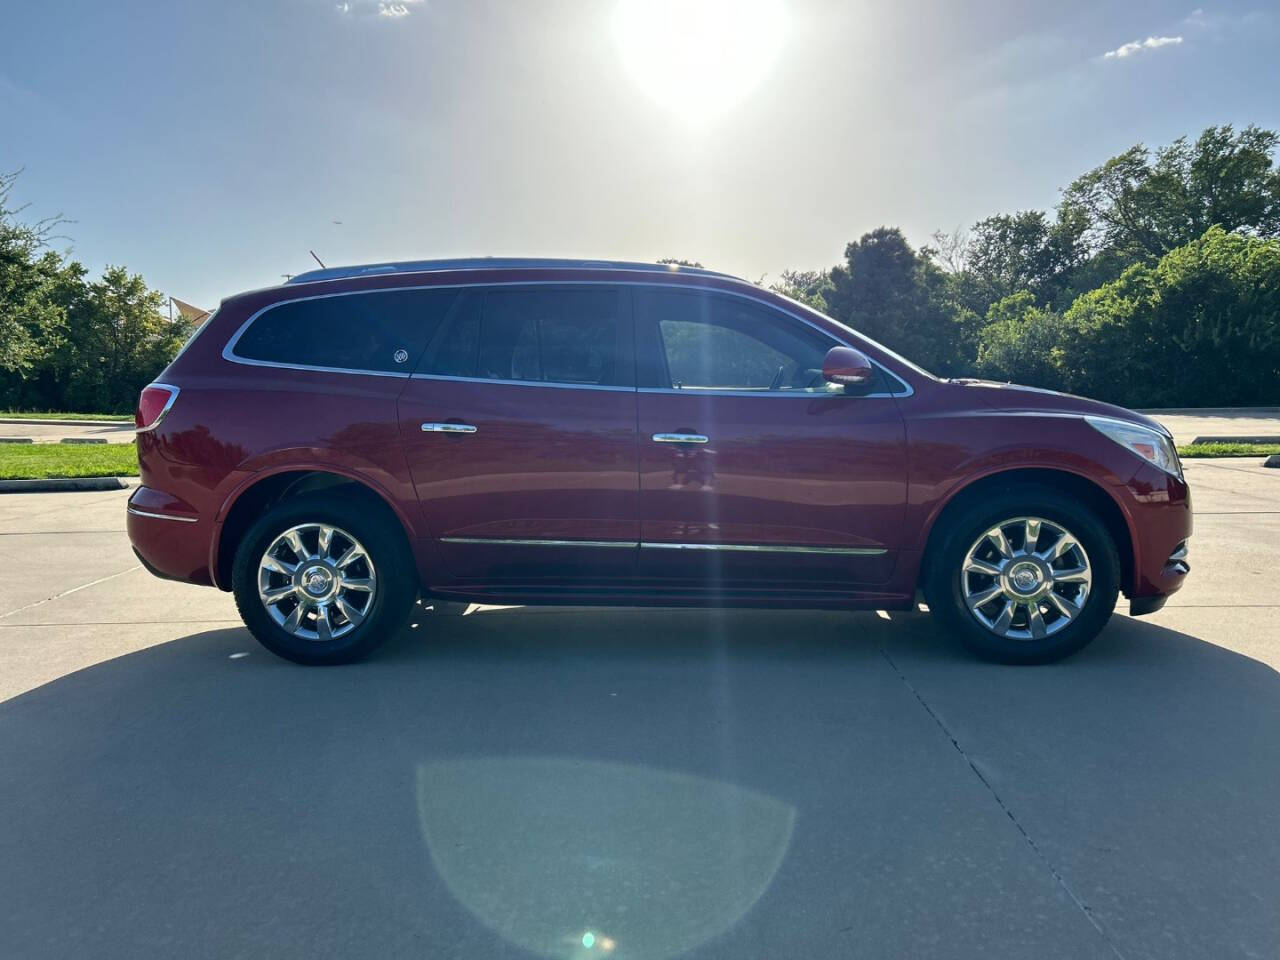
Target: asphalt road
<point x="633" y="784"/>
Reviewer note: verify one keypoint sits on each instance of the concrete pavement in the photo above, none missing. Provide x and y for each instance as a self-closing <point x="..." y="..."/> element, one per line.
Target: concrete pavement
<point x="1186" y="425"/>
<point x="524" y="782"/>
<point x="52" y="432"/>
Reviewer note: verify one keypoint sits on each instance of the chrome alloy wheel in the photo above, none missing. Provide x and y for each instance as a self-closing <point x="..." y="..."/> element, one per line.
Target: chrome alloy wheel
<point x="1026" y="578"/>
<point x="317" y="581"/>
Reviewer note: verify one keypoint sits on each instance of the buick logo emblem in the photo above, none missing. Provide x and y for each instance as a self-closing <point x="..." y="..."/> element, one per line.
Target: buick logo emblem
<point x="401" y="356"/>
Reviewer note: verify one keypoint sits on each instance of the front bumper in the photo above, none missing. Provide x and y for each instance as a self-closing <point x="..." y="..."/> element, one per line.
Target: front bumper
<point x="1160" y="517"/>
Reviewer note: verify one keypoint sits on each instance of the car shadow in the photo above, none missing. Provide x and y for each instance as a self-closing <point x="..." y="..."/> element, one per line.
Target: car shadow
<point x="580" y="783"/>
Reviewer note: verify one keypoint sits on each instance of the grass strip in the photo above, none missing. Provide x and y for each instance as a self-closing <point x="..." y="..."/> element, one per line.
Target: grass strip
<point x="1194" y="450"/>
<point x="43" y="461"/>
<point x="60" y="415"/>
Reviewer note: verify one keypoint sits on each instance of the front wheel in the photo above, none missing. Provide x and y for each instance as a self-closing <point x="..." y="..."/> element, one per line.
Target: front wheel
<point x="1031" y="579"/>
<point x="323" y="580"/>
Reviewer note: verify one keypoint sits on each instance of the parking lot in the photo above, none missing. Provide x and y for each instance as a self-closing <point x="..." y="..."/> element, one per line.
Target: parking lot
<point x="581" y="783"/>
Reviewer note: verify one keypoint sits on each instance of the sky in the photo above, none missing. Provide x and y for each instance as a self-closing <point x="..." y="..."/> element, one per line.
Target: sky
<point x="210" y="145"/>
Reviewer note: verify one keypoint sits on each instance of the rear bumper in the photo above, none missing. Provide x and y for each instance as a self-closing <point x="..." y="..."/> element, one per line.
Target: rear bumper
<point x="168" y="537"/>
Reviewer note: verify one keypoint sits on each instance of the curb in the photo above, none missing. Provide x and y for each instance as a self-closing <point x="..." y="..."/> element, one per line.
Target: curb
<point x="83" y="440"/>
<point x="64" y="484"/>
<point x="71" y="423"/>
<point x="1272" y="439"/>
<point x="16" y="440"/>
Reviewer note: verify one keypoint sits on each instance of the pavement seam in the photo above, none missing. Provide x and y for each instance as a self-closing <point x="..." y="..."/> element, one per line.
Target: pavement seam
<point x="83" y="586"/>
<point x="1061" y="880"/>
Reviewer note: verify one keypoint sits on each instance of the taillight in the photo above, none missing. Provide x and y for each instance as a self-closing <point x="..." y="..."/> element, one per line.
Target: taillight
<point x="153" y="404"/>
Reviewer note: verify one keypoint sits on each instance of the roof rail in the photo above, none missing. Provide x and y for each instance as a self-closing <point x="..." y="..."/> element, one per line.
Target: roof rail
<point x="494" y="263"/>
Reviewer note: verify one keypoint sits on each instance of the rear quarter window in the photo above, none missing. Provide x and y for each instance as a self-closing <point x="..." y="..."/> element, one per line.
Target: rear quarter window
<point x="378" y="331"/>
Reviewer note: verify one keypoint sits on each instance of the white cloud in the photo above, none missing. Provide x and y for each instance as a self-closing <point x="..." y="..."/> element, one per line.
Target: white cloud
<point x="387" y="9"/>
<point x="1137" y="46"/>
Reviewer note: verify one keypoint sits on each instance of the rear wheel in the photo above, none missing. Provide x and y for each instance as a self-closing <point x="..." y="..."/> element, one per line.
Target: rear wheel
<point x="1030" y="579"/>
<point x="320" y="580"/>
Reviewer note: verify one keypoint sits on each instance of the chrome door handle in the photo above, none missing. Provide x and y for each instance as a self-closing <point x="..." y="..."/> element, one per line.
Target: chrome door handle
<point x="679" y="438"/>
<point x="448" y="428"/>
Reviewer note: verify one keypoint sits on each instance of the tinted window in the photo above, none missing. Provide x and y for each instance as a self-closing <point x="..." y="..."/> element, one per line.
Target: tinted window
<point x="549" y="334"/>
<point x="714" y="342"/>
<point x="383" y="331"/>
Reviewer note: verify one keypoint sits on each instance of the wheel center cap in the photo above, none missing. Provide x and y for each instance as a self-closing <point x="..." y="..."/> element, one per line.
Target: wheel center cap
<point x="317" y="581"/>
<point x="1026" y="578"/>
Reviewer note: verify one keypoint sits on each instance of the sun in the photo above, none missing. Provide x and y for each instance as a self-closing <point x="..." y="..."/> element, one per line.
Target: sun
<point x="699" y="57"/>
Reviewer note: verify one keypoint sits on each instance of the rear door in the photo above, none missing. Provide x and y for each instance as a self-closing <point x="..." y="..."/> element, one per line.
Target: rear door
<point x="752" y="467"/>
<point x="519" y="427"/>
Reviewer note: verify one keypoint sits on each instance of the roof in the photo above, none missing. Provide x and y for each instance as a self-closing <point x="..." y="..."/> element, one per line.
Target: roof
<point x="495" y="263"/>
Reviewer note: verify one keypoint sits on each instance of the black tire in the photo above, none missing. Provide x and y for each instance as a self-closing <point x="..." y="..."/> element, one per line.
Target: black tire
<point x="382" y="538"/>
<point x="943" y="587"/>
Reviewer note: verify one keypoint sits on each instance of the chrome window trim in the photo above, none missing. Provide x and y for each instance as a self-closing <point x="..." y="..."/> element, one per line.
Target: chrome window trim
<point x="767" y="394"/>
<point x="164" y="411"/>
<point x="160" y="516"/>
<point x="524" y="383"/>
<point x="734" y="547"/>
<point x="229" y="347"/>
<point x="767" y="548"/>
<point x="498" y="541"/>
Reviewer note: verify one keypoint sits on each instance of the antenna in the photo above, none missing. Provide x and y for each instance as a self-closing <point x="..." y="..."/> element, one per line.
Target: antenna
<point x="316" y="259"/>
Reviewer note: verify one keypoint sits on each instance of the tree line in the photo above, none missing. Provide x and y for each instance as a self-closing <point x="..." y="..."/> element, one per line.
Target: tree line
<point x="69" y="341"/>
<point x="1154" y="282"/>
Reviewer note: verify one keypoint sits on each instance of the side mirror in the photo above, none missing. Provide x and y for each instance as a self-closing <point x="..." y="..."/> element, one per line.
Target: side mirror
<point x="847" y="367"/>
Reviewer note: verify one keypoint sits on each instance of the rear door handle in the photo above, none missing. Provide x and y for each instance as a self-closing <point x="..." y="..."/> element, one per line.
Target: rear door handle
<point x="448" y="428"/>
<point x="679" y="438"/>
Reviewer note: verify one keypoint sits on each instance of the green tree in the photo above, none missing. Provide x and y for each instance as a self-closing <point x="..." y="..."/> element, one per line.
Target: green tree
<point x="117" y="341"/>
<point x="1021" y="342"/>
<point x="810" y="287"/>
<point x="1138" y="207"/>
<point x="893" y="294"/>
<point x="30" y="319"/>
<point x="1023" y="251"/>
<point x="1199" y="328"/>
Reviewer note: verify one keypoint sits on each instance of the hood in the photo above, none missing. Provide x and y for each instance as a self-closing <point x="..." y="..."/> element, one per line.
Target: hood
<point x="1015" y="398"/>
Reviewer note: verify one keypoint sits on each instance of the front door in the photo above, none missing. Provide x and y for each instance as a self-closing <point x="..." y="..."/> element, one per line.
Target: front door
<point x="752" y="468"/>
<point x="519" y="428"/>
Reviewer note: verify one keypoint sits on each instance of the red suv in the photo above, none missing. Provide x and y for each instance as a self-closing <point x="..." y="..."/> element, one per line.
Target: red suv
<point x="579" y="432"/>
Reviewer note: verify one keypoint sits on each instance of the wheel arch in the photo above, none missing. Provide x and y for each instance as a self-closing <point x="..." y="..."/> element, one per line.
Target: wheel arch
<point x="262" y="492"/>
<point x="1075" y="485"/>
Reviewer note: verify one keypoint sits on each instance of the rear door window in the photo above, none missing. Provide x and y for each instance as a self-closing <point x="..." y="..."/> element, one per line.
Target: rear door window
<point x="378" y="331"/>
<point x="564" y="335"/>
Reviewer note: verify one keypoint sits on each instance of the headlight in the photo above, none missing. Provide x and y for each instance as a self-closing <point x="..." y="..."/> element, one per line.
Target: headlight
<point x="1150" y="445"/>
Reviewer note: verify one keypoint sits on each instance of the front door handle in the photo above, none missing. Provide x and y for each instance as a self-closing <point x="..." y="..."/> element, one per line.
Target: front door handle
<point x="448" y="428"/>
<point x="679" y="438"/>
